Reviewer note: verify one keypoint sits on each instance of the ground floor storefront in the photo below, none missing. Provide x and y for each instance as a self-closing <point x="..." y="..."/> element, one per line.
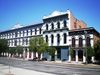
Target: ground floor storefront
<point x="61" y="54"/>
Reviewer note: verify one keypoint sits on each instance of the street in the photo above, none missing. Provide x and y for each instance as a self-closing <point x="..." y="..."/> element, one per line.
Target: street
<point x="54" y="68"/>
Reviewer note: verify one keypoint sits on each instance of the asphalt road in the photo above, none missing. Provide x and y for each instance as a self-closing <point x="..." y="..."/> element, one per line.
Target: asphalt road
<point x="54" y="68"/>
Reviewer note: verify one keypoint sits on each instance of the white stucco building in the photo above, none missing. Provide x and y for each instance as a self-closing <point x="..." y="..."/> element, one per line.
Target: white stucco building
<point x="59" y="29"/>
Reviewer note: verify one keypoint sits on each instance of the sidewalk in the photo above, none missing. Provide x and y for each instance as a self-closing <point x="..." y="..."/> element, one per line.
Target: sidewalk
<point x="4" y="70"/>
<point x="73" y="63"/>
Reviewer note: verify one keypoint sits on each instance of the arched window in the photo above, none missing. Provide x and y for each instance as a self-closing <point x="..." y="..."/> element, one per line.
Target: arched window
<point x="80" y="42"/>
<point x="46" y="38"/>
<point x="52" y="39"/>
<point x="73" y="42"/>
<point x="58" y="38"/>
<point x="88" y="42"/>
<point x="46" y="26"/>
<point x="65" y="38"/>
<point x="58" y="24"/>
<point x="52" y="26"/>
<point x="65" y="23"/>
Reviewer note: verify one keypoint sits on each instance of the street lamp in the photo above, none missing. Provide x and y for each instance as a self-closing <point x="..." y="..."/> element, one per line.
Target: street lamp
<point x="86" y="44"/>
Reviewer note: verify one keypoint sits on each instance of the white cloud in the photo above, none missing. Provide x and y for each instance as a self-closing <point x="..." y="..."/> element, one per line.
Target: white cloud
<point x="55" y="13"/>
<point x="17" y="26"/>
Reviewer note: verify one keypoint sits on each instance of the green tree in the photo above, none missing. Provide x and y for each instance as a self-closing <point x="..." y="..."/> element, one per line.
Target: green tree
<point x="97" y="50"/>
<point x="19" y="50"/>
<point x="71" y="52"/>
<point x="90" y="53"/>
<point x="3" y="45"/>
<point x="33" y="45"/>
<point x="51" y="51"/>
<point x="42" y="46"/>
<point x="12" y="51"/>
<point x="37" y="44"/>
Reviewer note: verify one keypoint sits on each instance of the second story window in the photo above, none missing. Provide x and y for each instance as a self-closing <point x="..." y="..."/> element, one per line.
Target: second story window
<point x="80" y="42"/>
<point x="52" y="39"/>
<point x="58" y="24"/>
<point x="73" y="42"/>
<point x="65" y="38"/>
<point x="88" y="42"/>
<point x="46" y="26"/>
<point x="58" y="38"/>
<point x="46" y="38"/>
<point x="52" y="26"/>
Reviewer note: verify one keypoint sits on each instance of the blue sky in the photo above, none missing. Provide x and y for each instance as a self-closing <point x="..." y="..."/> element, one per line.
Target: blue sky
<point x="32" y="11"/>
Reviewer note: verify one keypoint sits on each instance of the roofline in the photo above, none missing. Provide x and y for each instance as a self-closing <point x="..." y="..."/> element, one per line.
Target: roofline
<point x="89" y="28"/>
<point x="38" y="24"/>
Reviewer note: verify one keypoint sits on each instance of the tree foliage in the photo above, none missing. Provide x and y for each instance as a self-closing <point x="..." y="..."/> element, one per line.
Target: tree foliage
<point x="12" y="51"/>
<point x="51" y="51"/>
<point x="71" y="52"/>
<point x="37" y="44"/>
<point x="97" y="50"/>
<point x="3" y="45"/>
<point x="33" y="44"/>
<point x="19" y="49"/>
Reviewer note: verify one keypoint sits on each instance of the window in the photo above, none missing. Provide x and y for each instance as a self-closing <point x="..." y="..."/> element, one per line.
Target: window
<point x="58" y="38"/>
<point x="40" y="30"/>
<point x="46" y="26"/>
<point x="65" y="38"/>
<point x="46" y="38"/>
<point x="35" y="31"/>
<point x="65" y="24"/>
<point x="31" y="32"/>
<point x="73" y="42"/>
<point x="88" y="42"/>
<point x="52" y="26"/>
<point x="80" y="42"/>
<point x="26" y="41"/>
<point x="58" y="24"/>
<point x="15" y="34"/>
<point x="15" y="42"/>
<point x="52" y="39"/>
<point x="23" y="41"/>
<point x="27" y="32"/>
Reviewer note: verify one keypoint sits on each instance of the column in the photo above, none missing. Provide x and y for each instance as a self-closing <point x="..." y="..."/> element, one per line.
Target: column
<point x="84" y="57"/>
<point x="32" y="55"/>
<point x="55" y="55"/>
<point x="92" y="59"/>
<point x="24" y="53"/>
<point x="69" y="55"/>
<point x="27" y="53"/>
<point x="76" y="56"/>
<point x="69" y="58"/>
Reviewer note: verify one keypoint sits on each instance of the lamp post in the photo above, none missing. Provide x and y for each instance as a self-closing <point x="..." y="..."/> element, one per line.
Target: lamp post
<point x="86" y="44"/>
<point x="9" y="72"/>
